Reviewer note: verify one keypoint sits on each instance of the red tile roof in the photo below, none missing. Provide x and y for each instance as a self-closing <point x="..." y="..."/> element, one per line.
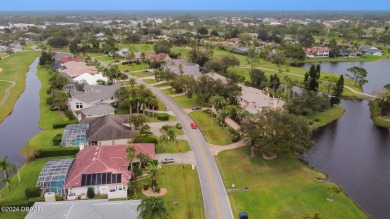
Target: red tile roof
<point x="103" y="159"/>
<point x="68" y="59"/>
<point x="158" y="57"/>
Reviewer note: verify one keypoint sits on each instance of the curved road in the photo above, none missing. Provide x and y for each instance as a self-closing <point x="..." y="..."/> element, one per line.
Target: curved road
<point x="215" y="199"/>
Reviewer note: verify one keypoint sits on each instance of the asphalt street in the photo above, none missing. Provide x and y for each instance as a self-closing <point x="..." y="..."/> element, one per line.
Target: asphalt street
<point x="215" y="199"/>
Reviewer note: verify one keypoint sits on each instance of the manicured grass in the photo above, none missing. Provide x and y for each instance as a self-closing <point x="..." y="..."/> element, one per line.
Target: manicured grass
<point x="165" y="84"/>
<point x="3" y="86"/>
<point x="13" y="215"/>
<point x="2" y="54"/>
<point x="186" y="191"/>
<point x="376" y="116"/>
<point x="47" y="117"/>
<point x="326" y="117"/>
<point x="176" y="130"/>
<point x="161" y="106"/>
<point x="364" y="58"/>
<point x="178" y="146"/>
<point x="243" y="59"/>
<point x="280" y="188"/>
<point x="15" y="68"/>
<point x="29" y="174"/>
<point x="142" y="47"/>
<point x="150" y="81"/>
<point x="154" y="119"/>
<point x="101" y="57"/>
<point x="168" y="91"/>
<point x="132" y="67"/>
<point x="213" y="133"/>
<point x="186" y="102"/>
<point x="142" y="74"/>
<point x="44" y="139"/>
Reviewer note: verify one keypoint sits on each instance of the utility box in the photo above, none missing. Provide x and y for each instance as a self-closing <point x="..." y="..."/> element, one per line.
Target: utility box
<point x="50" y="197"/>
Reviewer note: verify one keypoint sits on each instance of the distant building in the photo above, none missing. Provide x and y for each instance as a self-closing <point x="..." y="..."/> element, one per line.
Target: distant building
<point x="188" y="68"/>
<point x="317" y="52"/>
<point x="370" y="50"/>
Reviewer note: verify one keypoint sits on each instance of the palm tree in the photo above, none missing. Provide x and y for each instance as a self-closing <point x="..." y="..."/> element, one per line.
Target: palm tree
<point x="218" y="102"/>
<point x="130" y="155"/>
<point x="140" y="120"/>
<point x="132" y="120"/>
<point x="152" y="208"/>
<point x="164" y="137"/>
<point x="143" y="158"/>
<point x="223" y="114"/>
<point x="171" y="134"/>
<point x="8" y="169"/>
<point x="153" y="170"/>
<point x="132" y="82"/>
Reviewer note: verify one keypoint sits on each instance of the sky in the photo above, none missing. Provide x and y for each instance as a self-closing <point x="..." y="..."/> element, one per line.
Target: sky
<point x="307" y="5"/>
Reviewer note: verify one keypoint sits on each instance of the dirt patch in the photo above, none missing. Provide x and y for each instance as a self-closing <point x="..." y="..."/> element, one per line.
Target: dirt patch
<point x="386" y="118"/>
<point x="267" y="157"/>
<point x="150" y="192"/>
<point x="1" y="70"/>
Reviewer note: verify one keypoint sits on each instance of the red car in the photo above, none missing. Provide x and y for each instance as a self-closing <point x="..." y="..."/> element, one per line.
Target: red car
<point x="194" y="125"/>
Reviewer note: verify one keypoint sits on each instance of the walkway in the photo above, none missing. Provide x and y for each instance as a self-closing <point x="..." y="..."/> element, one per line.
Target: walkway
<point x="288" y="73"/>
<point x="215" y="149"/>
<point x="7" y="91"/>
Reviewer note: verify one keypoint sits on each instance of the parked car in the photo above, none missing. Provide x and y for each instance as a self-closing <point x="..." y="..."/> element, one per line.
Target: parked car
<point x="194" y="125"/>
<point x="196" y="107"/>
<point x="168" y="160"/>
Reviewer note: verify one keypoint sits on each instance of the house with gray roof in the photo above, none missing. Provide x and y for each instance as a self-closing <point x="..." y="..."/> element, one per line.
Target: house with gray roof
<point x="85" y="209"/>
<point x="370" y="50"/>
<point x="93" y="95"/>
<point x="188" y="68"/>
<point x="96" y="111"/>
<point x="108" y="130"/>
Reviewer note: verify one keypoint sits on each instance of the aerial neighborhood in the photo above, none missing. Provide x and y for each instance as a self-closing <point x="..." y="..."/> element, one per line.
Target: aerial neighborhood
<point x="158" y="115"/>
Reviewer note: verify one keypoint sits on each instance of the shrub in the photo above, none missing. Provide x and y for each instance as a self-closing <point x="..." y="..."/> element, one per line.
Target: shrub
<point x="236" y="138"/>
<point x="145" y="138"/>
<point x="145" y="128"/>
<point x="163" y="117"/>
<point x="166" y="127"/>
<point x="316" y="120"/>
<point x="32" y="192"/>
<point x="57" y="152"/>
<point x="57" y="139"/>
<point x="157" y="189"/>
<point x="146" y="186"/>
<point x="70" y="115"/>
<point x="178" y="126"/>
<point x="63" y="124"/>
<point x="208" y="111"/>
<point x="59" y="198"/>
<point x="91" y="193"/>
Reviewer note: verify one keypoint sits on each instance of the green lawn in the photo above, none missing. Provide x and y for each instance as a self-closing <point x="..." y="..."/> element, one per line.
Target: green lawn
<point x="13" y="215"/>
<point x="376" y="116"/>
<point x="47" y="117"/>
<point x="176" y="130"/>
<point x="142" y="74"/>
<point x="154" y="119"/>
<point x="169" y="91"/>
<point x="15" y="68"/>
<point x="280" y="188"/>
<point x="44" y="138"/>
<point x="3" y="86"/>
<point x="186" y="191"/>
<point x="326" y="117"/>
<point x="213" y="133"/>
<point x="186" y="102"/>
<point x="165" y="84"/>
<point x="161" y="106"/>
<point x="29" y="174"/>
<point x="178" y="146"/>
<point x="2" y="54"/>
<point x="243" y="59"/>
<point x="142" y="47"/>
<point x="150" y="81"/>
<point x="364" y="58"/>
<point x="133" y="67"/>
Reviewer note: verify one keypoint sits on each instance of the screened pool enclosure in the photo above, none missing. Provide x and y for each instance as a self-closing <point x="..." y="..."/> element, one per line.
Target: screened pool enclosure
<point x="53" y="175"/>
<point x="74" y="134"/>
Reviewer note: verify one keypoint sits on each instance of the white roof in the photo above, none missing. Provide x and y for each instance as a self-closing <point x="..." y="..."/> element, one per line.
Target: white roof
<point x="90" y="79"/>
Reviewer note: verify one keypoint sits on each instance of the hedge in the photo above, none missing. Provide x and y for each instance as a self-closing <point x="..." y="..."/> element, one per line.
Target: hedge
<point x="70" y="115"/>
<point x="32" y="192"/>
<point x="63" y="124"/>
<point x="163" y="117"/>
<point x="145" y="138"/>
<point x="57" y="139"/>
<point x="57" y="152"/>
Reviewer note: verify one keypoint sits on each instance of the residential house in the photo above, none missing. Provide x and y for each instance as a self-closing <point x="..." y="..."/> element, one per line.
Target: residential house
<point x="93" y="95"/>
<point x="370" y="50"/>
<point x="74" y="69"/>
<point x="96" y="111"/>
<point x="71" y="86"/>
<point x="86" y="209"/>
<point x="239" y="49"/>
<point x="105" y="169"/>
<point x="188" y="68"/>
<point x="254" y="100"/>
<point x="87" y="78"/>
<point x="58" y="55"/>
<point x="108" y="130"/>
<point x="65" y="59"/>
<point x="317" y="52"/>
<point x="161" y="57"/>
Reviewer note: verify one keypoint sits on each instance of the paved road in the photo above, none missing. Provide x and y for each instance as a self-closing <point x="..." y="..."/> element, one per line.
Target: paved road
<point x="215" y="199"/>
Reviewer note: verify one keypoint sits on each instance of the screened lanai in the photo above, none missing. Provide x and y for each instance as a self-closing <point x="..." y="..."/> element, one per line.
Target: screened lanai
<point x="74" y="134"/>
<point x="53" y="176"/>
